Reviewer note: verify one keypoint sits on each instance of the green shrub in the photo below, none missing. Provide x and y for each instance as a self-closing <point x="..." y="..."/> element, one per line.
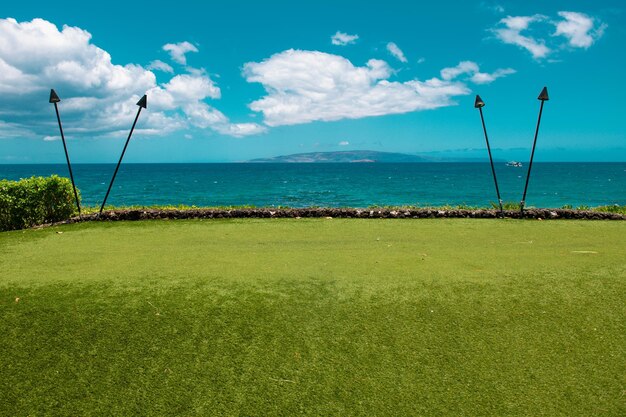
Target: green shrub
<point x="615" y="208"/>
<point x="506" y="205"/>
<point x="35" y="200"/>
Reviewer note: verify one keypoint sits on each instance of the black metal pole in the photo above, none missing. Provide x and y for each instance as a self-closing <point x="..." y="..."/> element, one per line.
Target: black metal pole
<point x="543" y="96"/>
<point x="141" y="104"/>
<point x="480" y="104"/>
<point x="54" y="98"/>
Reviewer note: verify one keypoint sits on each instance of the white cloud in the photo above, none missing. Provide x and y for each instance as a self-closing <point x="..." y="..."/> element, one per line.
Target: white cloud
<point x="486" y="78"/>
<point x="14" y="80"/>
<point x="304" y="86"/>
<point x="241" y="129"/>
<point x="473" y="70"/>
<point x="51" y="138"/>
<point x="160" y="66"/>
<point x="178" y="50"/>
<point x="34" y="53"/>
<point x="187" y="87"/>
<point x="396" y="52"/>
<point x="579" y="30"/>
<point x="464" y="67"/>
<point x="343" y="143"/>
<point x="187" y="92"/>
<point x="511" y="33"/>
<point x="98" y="97"/>
<point x="343" y="39"/>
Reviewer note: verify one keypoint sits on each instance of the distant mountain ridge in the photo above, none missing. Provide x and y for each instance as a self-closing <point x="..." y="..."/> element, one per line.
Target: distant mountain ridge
<point x="346" y="156"/>
<point x="362" y="156"/>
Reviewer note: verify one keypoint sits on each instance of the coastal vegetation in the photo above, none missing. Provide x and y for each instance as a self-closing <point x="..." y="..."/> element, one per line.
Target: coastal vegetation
<point x="315" y="317"/>
<point x="34" y="201"/>
<point x="616" y="208"/>
<point x="144" y="213"/>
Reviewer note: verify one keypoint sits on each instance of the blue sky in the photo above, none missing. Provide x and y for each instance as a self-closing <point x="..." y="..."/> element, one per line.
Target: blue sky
<point x="232" y="81"/>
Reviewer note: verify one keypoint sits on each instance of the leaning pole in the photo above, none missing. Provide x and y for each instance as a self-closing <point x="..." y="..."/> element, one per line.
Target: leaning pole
<point x="142" y="103"/>
<point x="479" y="104"/>
<point x="543" y="97"/>
<point x="54" y="98"/>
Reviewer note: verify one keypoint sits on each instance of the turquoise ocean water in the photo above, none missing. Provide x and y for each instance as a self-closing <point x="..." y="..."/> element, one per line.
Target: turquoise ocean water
<point x="340" y="185"/>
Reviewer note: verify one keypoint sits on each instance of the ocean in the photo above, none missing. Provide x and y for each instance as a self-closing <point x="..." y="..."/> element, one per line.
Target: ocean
<point x="340" y="185"/>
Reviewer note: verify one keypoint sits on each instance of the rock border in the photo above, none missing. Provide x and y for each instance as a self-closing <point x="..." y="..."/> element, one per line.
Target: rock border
<point x="343" y="213"/>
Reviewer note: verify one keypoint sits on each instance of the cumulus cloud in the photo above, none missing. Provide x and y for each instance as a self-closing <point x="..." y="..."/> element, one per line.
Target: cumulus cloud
<point x="34" y="53"/>
<point x="579" y="29"/>
<point x="98" y="97"/>
<point x="343" y="39"/>
<point x="241" y="129"/>
<point x="472" y="70"/>
<point x="304" y="86"/>
<point x="396" y="52"/>
<point x="160" y="66"/>
<point x="187" y="88"/>
<point x="177" y="51"/>
<point x="464" y="67"/>
<point x="486" y="78"/>
<point x="343" y="143"/>
<point x="511" y="29"/>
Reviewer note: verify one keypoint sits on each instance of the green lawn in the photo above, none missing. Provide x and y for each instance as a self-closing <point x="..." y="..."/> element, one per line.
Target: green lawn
<point x="314" y="317"/>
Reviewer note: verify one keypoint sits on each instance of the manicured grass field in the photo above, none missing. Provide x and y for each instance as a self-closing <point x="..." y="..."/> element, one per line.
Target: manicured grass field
<point x="314" y="317"/>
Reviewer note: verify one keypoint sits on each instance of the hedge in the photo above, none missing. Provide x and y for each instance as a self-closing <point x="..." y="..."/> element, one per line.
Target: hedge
<point x="36" y="200"/>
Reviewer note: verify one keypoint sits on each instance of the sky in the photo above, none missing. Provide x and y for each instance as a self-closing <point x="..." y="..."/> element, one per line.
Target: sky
<point x="237" y="80"/>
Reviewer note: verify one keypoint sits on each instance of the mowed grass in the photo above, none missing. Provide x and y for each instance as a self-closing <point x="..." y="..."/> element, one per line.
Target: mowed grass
<point x="314" y="317"/>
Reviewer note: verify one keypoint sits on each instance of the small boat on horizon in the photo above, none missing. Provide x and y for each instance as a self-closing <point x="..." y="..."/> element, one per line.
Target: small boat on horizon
<point x="514" y="164"/>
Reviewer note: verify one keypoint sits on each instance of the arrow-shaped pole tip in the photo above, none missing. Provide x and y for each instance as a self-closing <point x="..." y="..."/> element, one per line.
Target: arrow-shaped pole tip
<point x="479" y="102"/>
<point x="54" y="98"/>
<point x="543" y="96"/>
<point x="143" y="101"/>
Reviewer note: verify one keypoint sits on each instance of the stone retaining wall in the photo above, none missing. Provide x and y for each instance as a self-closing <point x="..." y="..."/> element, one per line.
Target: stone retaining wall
<point x="539" y="214"/>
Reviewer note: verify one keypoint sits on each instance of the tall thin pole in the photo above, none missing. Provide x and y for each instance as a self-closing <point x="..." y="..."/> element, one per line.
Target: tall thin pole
<point x="543" y="96"/>
<point x="142" y="103"/>
<point x="54" y="98"/>
<point x="479" y="104"/>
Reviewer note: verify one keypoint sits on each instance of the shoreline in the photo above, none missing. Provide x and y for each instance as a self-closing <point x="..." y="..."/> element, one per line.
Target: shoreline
<point x="342" y="213"/>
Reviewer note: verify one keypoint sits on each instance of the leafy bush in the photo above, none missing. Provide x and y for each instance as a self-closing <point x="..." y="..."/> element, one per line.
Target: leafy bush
<point x="615" y="208"/>
<point x="35" y="200"/>
<point x="506" y="205"/>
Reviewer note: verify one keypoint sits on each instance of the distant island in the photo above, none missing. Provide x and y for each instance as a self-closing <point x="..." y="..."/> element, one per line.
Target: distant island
<point x="356" y="157"/>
